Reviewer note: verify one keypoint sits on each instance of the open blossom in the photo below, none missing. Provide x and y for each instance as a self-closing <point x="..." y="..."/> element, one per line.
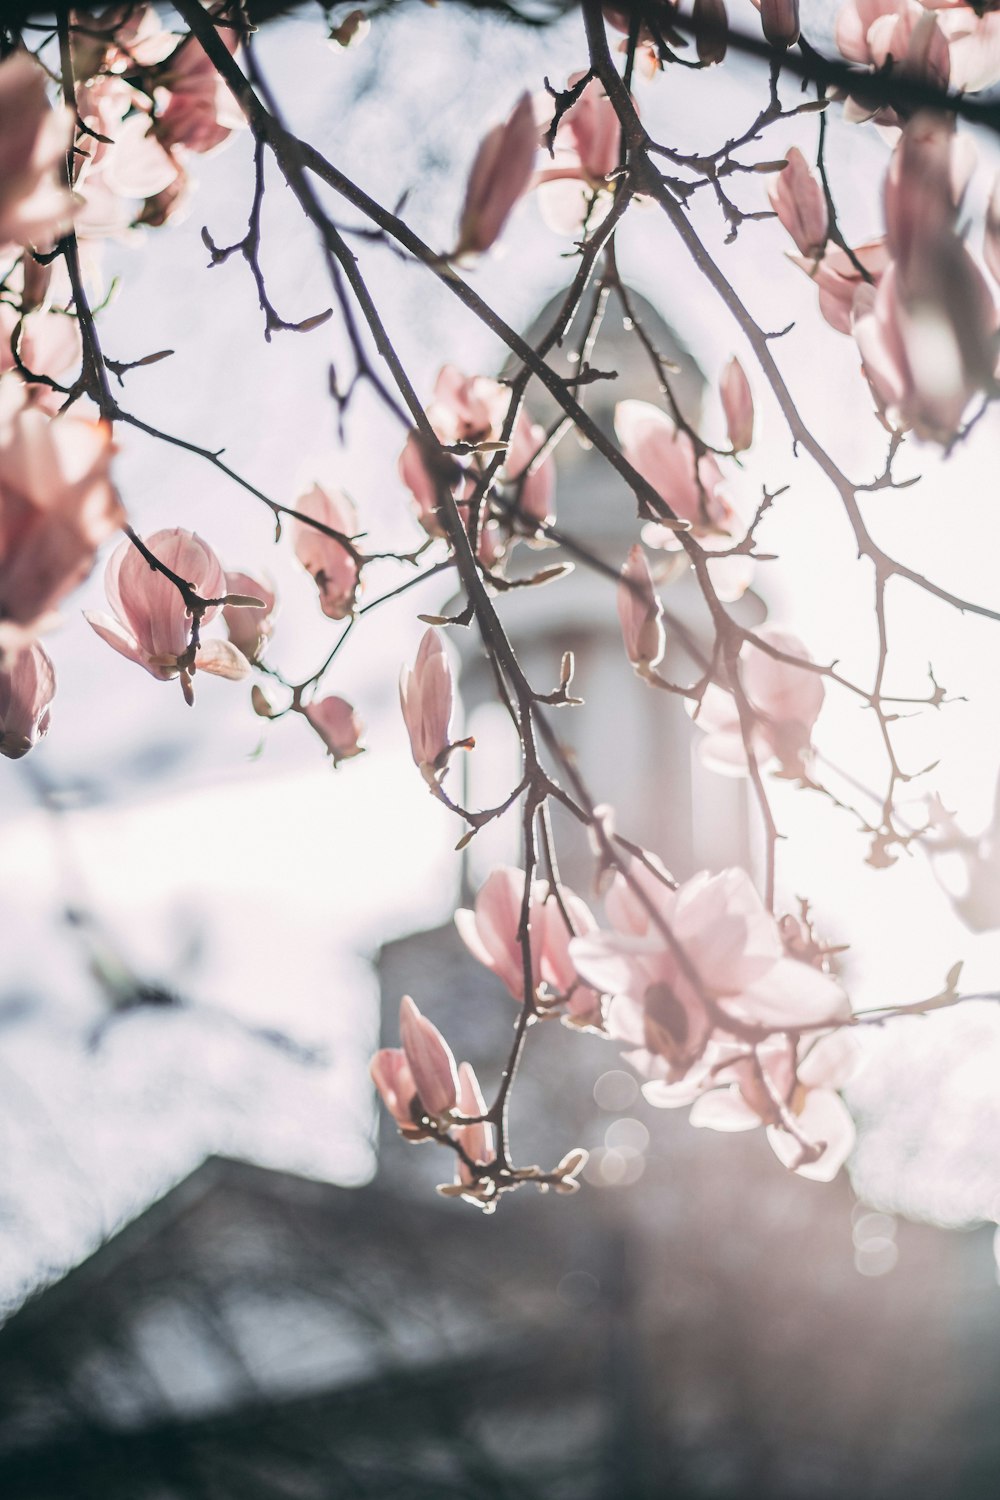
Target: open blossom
<point x="784" y="700"/>
<point x="338" y="726"/>
<point x="249" y="627"/>
<point x="426" y="693"/>
<point x="798" y="199"/>
<point x="491" y="932"/>
<point x="500" y="175"/>
<point x="335" y="569"/>
<point x="151" y="624"/>
<point x="640" y="613"/>
<point x="722" y="969"/>
<point x="200" y="112"/>
<point x="35" y="205"/>
<point x="27" y="687"/>
<point x="57" y="505"/>
<point x="792" y="1090"/>
<point x="948" y="46"/>
<point x="838" y="279"/>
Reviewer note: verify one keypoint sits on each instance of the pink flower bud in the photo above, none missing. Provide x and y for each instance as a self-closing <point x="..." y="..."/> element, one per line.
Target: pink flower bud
<point x="779" y="21"/>
<point x="390" y="1073"/>
<point x="491" y="932"/>
<point x="333" y="567"/>
<point x="249" y="628"/>
<point x="737" y="403"/>
<point x="500" y="175"/>
<point x="535" y="482"/>
<point x="27" y="687"/>
<point x="712" y="25"/>
<point x="798" y="199"/>
<point x="430" y="1060"/>
<point x="475" y="1140"/>
<point x="338" y="726"/>
<point x="640" y="613"/>
<point x="425" y="696"/>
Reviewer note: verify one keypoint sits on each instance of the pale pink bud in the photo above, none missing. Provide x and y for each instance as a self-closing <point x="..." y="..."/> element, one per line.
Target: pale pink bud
<point x="535" y="481"/>
<point x="797" y="197"/>
<point x="27" y="687"/>
<point x="640" y="613"/>
<point x="475" y="1140"/>
<point x="390" y="1073"/>
<point x="500" y="175"/>
<point x="249" y="627"/>
<point x="333" y="567"/>
<point x="425" y="696"/>
<point x="491" y="931"/>
<point x="57" y="504"/>
<point x="779" y="21"/>
<point x="712" y="25"/>
<point x="665" y="457"/>
<point x="338" y="726"/>
<point x="151" y="625"/>
<point x="430" y="1059"/>
<point x="35" y="205"/>
<point x="737" y="403"/>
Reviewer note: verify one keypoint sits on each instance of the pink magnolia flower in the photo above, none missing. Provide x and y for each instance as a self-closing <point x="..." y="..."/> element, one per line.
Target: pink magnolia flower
<point x="249" y="628"/>
<point x="559" y="973"/>
<point x="500" y="175"/>
<point x="475" y="1140"/>
<point x="467" y="408"/>
<point x="151" y="625"/>
<point x="334" y="568"/>
<point x="391" y="1075"/>
<point x="200" y="111"/>
<point x="785" y="701"/>
<point x="490" y="932"/>
<point x="792" y="1091"/>
<point x="35" y="205"/>
<point x="797" y="197"/>
<point x="27" y="687"/>
<point x="737" y="403"/>
<point x="779" y="20"/>
<point x="57" y="505"/>
<point x="426" y="694"/>
<point x="47" y="343"/>
<point x="532" y="480"/>
<point x="338" y="726"/>
<point x="946" y="45"/>
<point x="722" y="969"/>
<point x="430" y="1059"/>
<point x="837" y="278"/>
<point x="640" y="613"/>
<point x="586" y="151"/>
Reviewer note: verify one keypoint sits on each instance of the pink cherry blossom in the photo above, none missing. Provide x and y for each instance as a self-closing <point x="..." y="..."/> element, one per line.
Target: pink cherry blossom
<point x="35" y="204"/>
<point x="57" y="504"/>
<point x="475" y="1140"/>
<point x="249" y="628"/>
<point x="334" y="568"/>
<point x="640" y="613"/>
<point x="151" y="625"/>
<point x="737" y="403"/>
<point x="426" y="694"/>
<point x="703" y="964"/>
<point x="490" y="932"/>
<point x="797" y="197"/>
<point x="430" y="1060"/>
<point x="338" y="726"/>
<point x="27" y="686"/>
<point x="500" y="175"/>
<point x="785" y="701"/>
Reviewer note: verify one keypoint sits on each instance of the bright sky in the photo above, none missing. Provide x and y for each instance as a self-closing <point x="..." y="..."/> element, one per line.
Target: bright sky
<point x="253" y="882"/>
